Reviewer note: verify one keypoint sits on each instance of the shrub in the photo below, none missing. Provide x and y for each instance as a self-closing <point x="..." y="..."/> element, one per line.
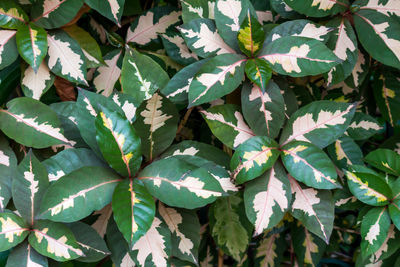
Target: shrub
<point x="200" y="133"/>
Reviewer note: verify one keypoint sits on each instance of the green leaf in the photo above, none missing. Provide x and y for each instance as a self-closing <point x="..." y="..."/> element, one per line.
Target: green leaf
<point x="180" y="184"/>
<point x="269" y="251"/>
<point x="111" y="9"/>
<point x="185" y="232"/>
<point x="363" y="126"/>
<point x="193" y="9"/>
<point x="78" y="194"/>
<point x="141" y="76"/>
<point x="127" y="103"/>
<point x="119" y="248"/>
<point x="118" y="142"/>
<point x="264" y="110"/>
<point x="251" y="35"/>
<point x="389" y="246"/>
<point x="308" y="247"/>
<point x="369" y="188"/>
<point x="156" y="124"/>
<point x="284" y="10"/>
<point x="217" y="77"/>
<point x="54" y="14"/>
<point x="65" y="57"/>
<point x="105" y="77"/>
<point x="385" y="160"/>
<point x="13" y="230"/>
<point x="253" y="157"/>
<point x="345" y="200"/>
<point x="310" y="165"/>
<point x="267" y="198"/>
<point x="345" y="152"/>
<point x="54" y="240"/>
<point x="92" y="245"/>
<point x="314" y="208"/>
<point x="12" y="16"/>
<point x="394" y="206"/>
<point x="131" y="195"/>
<point x="374" y="230"/>
<point x="8" y="169"/>
<point x="8" y="48"/>
<point x="299" y="56"/>
<point x="259" y="72"/>
<point x="227" y="124"/>
<point x="32" y="123"/>
<point x="147" y="27"/>
<point x="320" y="123"/>
<point x="318" y="8"/>
<point x="360" y="71"/>
<point x="25" y="255"/>
<point x="28" y="187"/>
<point x="35" y="84"/>
<point x="177" y="49"/>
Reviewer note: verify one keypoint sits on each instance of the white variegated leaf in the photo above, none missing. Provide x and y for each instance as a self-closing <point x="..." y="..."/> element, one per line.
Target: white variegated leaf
<point x="35" y="84"/>
<point x="105" y="77"/>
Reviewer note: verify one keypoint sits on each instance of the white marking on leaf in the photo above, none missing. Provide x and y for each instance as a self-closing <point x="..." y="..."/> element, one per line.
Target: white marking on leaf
<point x="191" y="151"/>
<point x="267" y="250"/>
<point x="5" y="36"/>
<point x="226" y="183"/>
<point x="29" y="261"/>
<point x="36" y="82"/>
<point x="153" y="115"/>
<point x="373" y="232"/>
<point x="358" y="69"/>
<point x="384" y="7"/>
<point x="275" y="36"/>
<point x="29" y="176"/>
<point x="343" y="43"/>
<point x="343" y="201"/>
<point x="384" y="247"/>
<point x="54" y="177"/>
<point x="90" y="57"/>
<point x="231" y="9"/>
<point x="107" y="75"/>
<point x="50" y="6"/>
<point x="265" y="16"/>
<point x="192" y="9"/>
<point x="115" y="8"/>
<point x="178" y="91"/>
<point x="180" y="43"/>
<point x="256" y="92"/>
<point x="340" y="152"/>
<point x="100" y="225"/>
<point x="211" y="9"/>
<point x="99" y="29"/>
<point x="144" y="84"/>
<point x="310" y="247"/>
<point x="89" y="107"/>
<point x="311" y="30"/>
<point x="127" y="261"/>
<point x="58" y="247"/>
<point x="4" y="159"/>
<point x="323" y="4"/>
<point x="9" y="229"/>
<point x="289" y="60"/>
<point x="366" y="125"/>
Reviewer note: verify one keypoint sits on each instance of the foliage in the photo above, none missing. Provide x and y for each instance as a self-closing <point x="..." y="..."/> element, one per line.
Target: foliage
<point x="200" y="133"/>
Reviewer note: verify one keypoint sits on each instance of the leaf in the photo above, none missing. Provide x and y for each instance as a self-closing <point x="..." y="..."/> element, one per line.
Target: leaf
<point x="310" y="165"/>
<point x="32" y="44"/>
<point x="156" y="125"/>
<point x="251" y="35"/>
<point x="359" y="72"/>
<point x="270" y="250"/>
<point x="308" y="247"/>
<point x="374" y="230"/>
<point x="193" y="9"/>
<point x="284" y="10"/>
<point x="264" y="110"/>
<point x="13" y="230"/>
<point x="8" y="47"/>
<point x="385" y="160"/>
<point x="118" y="142"/>
<point x="298" y="56"/>
<point x="146" y="28"/>
<point x="185" y="228"/>
<point x="28" y="187"/>
<point x="156" y="243"/>
<point x="92" y="245"/>
<point x="12" y="16"/>
<point x="314" y="208"/>
<point x="318" y="8"/>
<point x="35" y="84"/>
<point x="180" y="184"/>
<point x="141" y="76"/>
<point x="363" y="126"/>
<point x="216" y="78"/>
<point x="132" y="195"/>
<point x="320" y="123"/>
<point x="369" y="188"/>
<point x="202" y="37"/>
<point x="127" y="103"/>
<point x="101" y="223"/>
<point x="8" y="168"/>
<point x="120" y="255"/>
<point x="227" y="124"/>
<point x="111" y="9"/>
<point x="105" y="77"/>
<point x="267" y="199"/>
<point x="394" y="206"/>
<point x="389" y="246"/>
<point x="378" y="30"/>
<point x="345" y="152"/>
<point x="253" y="157"/>
<point x="25" y="255"/>
<point x="259" y="72"/>
<point x="32" y="123"/>
<point x="78" y="194"/>
<point x="65" y="57"/>
<point x="177" y="49"/>
<point x="54" y="240"/>
<point x="51" y="14"/>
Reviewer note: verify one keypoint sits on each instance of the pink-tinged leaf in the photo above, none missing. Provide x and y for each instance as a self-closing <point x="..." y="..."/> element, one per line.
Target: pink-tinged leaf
<point x="35" y="84"/>
<point x="100" y="225"/>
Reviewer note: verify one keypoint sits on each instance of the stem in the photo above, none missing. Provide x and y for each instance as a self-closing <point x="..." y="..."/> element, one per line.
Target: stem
<point x="184" y="120"/>
<point x="220" y="258"/>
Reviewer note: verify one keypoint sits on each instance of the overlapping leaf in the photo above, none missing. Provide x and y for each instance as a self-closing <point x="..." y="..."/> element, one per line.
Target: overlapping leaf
<point x="251" y="35"/>
<point x="111" y="9"/>
<point x="13" y="230"/>
<point x="308" y="247"/>
<point x="270" y="250"/>
<point x="394" y="206"/>
<point x="25" y="255"/>
<point x="35" y="84"/>
<point x="12" y="16"/>
<point x="318" y="8"/>
<point x="105" y="77"/>
<point x="177" y="49"/>
<point x="363" y="126"/>
<point x="8" y="48"/>
<point x="345" y="152"/>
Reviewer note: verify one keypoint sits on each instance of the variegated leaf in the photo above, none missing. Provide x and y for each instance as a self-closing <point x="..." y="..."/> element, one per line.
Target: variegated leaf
<point x="394" y="206"/>
<point x="203" y="38"/>
<point x="29" y="186"/>
<point x="359" y="72"/>
<point x="267" y="199"/>
<point x="363" y="126"/>
<point x="8" y="47"/>
<point x="369" y="188"/>
<point x="193" y="9"/>
<point x="321" y="123"/>
<point x="318" y="8"/>
<point x="299" y="56"/>
<point x="32" y="123"/>
<point x="120" y="252"/>
<point x="345" y="200"/>
<point x="65" y="57"/>
<point x="185" y="228"/>
<point x="345" y="152"/>
<point x="146" y="28"/>
<point x="8" y="169"/>
<point x="12" y="16"/>
<point x="111" y="9"/>
<point x="101" y="223"/>
<point x="13" y="230"/>
<point x="386" y="160"/>
<point x="269" y="252"/>
<point x="374" y="230"/>
<point x="308" y="247"/>
<point x="253" y="157"/>
<point x="284" y="10"/>
<point x="35" y="84"/>
<point x="78" y="194"/>
<point x="264" y="110"/>
<point x="314" y="208"/>
<point x="309" y="165"/>
<point x="389" y="246"/>
<point x="216" y="78"/>
<point x="51" y="14"/>
<point x="180" y="184"/>
<point x="127" y="103"/>
<point x="177" y="49"/>
<point x="154" y="248"/>
<point x="227" y="124"/>
<point x="105" y="77"/>
<point x="259" y="72"/>
<point x="141" y="76"/>
<point x="54" y="240"/>
<point x="156" y="125"/>
<point x="251" y="35"/>
<point x="25" y="255"/>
